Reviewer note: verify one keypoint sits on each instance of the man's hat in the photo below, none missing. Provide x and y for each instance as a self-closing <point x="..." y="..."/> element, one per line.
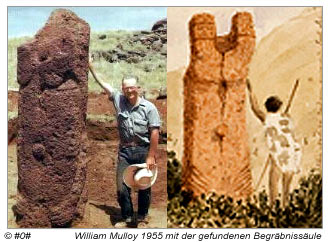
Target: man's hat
<point x="138" y="177"/>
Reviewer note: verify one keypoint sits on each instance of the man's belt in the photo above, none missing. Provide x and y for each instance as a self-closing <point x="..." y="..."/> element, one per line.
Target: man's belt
<point x="132" y="144"/>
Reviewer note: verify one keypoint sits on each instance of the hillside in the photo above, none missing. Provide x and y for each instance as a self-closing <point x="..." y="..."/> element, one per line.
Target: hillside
<point x="115" y="53"/>
<point x="289" y="52"/>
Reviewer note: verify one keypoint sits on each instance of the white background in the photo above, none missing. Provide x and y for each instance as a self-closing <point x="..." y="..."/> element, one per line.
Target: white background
<point x="68" y="234"/>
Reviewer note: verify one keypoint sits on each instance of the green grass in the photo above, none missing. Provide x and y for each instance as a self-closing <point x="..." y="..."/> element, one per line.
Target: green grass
<point x="151" y="71"/>
<point x="13" y="43"/>
<point x="112" y="73"/>
<point x="112" y="40"/>
<point x="12" y="115"/>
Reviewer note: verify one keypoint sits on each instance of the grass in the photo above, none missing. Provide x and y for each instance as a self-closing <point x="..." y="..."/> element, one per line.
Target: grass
<point x="112" y="73"/>
<point x="151" y="70"/>
<point x="211" y="210"/>
<point x="12" y="115"/>
<point x="112" y="40"/>
<point x="13" y="43"/>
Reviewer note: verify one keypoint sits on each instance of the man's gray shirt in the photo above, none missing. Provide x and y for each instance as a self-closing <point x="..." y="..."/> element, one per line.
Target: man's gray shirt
<point x="134" y="122"/>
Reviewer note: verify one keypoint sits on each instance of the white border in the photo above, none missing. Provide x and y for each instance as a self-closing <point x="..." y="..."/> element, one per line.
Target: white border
<point x="68" y="234"/>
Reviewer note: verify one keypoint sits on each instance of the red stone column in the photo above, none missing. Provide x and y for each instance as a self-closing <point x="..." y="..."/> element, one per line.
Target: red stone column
<point x="53" y="76"/>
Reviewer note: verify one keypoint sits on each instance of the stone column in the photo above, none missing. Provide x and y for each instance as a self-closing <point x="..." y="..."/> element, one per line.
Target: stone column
<point x="216" y="152"/>
<point x="52" y="73"/>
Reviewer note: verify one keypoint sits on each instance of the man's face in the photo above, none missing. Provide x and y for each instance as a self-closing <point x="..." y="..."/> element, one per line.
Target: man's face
<point x="130" y="89"/>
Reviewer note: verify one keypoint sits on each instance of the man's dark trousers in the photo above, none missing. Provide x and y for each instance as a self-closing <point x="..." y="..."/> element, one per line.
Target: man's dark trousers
<point x="126" y="157"/>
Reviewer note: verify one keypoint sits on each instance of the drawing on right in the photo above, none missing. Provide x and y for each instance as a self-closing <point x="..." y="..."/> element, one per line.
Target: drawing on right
<point x="245" y="117"/>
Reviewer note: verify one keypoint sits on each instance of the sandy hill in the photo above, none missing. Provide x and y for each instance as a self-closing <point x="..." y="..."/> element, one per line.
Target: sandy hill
<point x="290" y="51"/>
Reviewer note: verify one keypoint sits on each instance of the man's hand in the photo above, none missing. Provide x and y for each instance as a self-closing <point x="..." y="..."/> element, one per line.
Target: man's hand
<point x="151" y="162"/>
<point x="151" y="158"/>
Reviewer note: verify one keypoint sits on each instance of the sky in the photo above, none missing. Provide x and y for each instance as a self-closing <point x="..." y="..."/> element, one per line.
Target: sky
<point x="26" y="21"/>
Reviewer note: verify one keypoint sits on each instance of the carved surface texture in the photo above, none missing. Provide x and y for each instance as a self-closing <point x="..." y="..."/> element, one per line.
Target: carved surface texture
<point x="216" y="152"/>
<point x="53" y="74"/>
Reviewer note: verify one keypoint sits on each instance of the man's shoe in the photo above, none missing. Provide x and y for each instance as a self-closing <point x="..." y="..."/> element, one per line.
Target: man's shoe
<point x="124" y="224"/>
<point x="143" y="221"/>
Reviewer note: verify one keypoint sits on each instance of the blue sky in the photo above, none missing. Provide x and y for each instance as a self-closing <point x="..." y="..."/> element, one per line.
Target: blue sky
<point x="26" y="21"/>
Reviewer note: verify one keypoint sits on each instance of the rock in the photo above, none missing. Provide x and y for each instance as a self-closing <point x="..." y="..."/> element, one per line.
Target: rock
<point x="107" y="56"/>
<point x="147" y="69"/>
<point x="113" y="58"/>
<point x="145" y="41"/>
<point x="122" y="55"/>
<point x="159" y="25"/>
<point x="136" y="53"/>
<point x="119" y="46"/>
<point x="132" y="59"/>
<point x="163" y="39"/>
<point x="153" y="41"/>
<point x="162" y="93"/>
<point x="53" y="76"/>
<point x="157" y="46"/>
<point x="103" y="36"/>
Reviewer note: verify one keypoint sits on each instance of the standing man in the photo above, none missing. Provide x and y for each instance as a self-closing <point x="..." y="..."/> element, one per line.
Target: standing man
<point x="284" y="152"/>
<point x="138" y="125"/>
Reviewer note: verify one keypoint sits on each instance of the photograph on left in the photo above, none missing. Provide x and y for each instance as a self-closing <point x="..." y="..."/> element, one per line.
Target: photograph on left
<point x="87" y="105"/>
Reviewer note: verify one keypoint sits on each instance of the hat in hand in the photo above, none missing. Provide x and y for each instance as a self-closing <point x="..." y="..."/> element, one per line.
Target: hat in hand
<point x="138" y="177"/>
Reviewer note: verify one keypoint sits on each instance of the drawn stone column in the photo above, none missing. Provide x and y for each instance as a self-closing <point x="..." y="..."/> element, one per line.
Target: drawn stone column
<point x="216" y="154"/>
<point x="53" y="73"/>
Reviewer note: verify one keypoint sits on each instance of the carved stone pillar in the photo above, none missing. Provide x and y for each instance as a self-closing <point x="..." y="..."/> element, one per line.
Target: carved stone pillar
<point x="53" y="75"/>
<point x="216" y="152"/>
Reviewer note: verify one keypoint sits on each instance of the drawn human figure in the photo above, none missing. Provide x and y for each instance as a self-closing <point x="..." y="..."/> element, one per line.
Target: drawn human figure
<point x="284" y="152"/>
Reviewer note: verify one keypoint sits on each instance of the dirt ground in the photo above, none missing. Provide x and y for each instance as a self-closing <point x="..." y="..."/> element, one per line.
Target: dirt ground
<point x="102" y="209"/>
